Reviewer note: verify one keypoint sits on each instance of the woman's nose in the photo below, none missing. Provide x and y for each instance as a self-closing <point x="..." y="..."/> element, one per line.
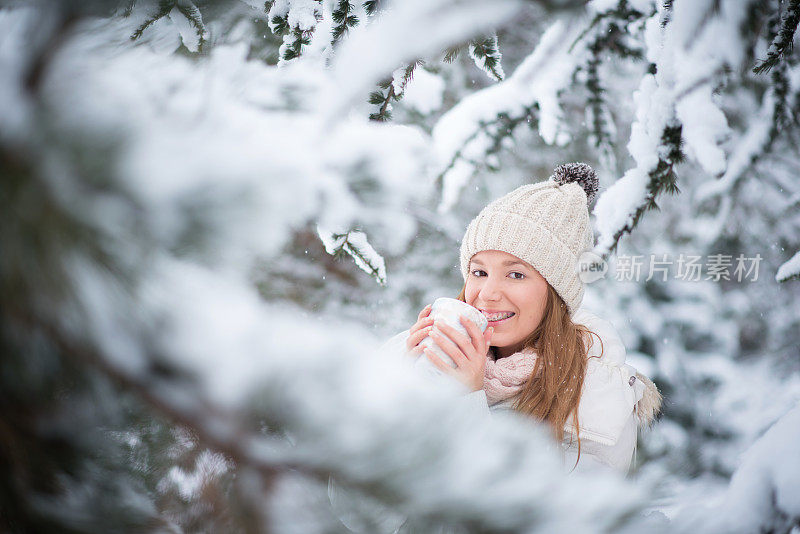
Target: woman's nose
<point x="490" y="290"/>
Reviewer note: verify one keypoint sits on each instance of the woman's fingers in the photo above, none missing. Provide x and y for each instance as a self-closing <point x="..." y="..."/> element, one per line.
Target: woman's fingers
<point x="480" y="340"/>
<point x="435" y="360"/>
<point x="420" y="324"/>
<point x="419" y="335"/>
<point x="446" y="343"/>
<point x="460" y="340"/>
<point x="420" y="329"/>
<point x="475" y="334"/>
<point x="424" y="313"/>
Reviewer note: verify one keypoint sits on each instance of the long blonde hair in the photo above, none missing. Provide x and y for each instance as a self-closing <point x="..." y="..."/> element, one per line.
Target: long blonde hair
<point x="553" y="391"/>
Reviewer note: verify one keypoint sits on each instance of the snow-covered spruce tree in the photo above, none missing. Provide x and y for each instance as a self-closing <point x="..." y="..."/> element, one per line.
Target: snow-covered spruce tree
<point x="183" y="13"/>
<point x="146" y="385"/>
<point x="153" y="183"/>
<point x="699" y="99"/>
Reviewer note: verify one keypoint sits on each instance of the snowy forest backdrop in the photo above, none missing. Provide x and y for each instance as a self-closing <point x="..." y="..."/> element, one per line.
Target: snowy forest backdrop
<point x="213" y="213"/>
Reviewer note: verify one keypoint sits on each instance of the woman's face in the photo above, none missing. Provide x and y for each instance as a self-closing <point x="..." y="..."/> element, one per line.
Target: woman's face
<point x="509" y="290"/>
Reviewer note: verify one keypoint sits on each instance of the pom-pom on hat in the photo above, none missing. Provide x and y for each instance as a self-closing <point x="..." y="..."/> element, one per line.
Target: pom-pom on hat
<point x="545" y="224"/>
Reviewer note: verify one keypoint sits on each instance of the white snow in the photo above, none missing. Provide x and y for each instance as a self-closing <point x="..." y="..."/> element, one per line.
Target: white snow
<point x="704" y="128"/>
<point x="356" y="244"/>
<point x="763" y="494"/>
<point x="616" y="206"/>
<point x="789" y="269"/>
<point x="407" y="30"/>
<point x="459" y="136"/>
<point x="495" y="74"/>
<point x="189" y="484"/>
<point x="424" y="92"/>
<point x="211" y="166"/>
<point x="303" y="14"/>
<point x="688" y="65"/>
<point x="188" y="33"/>
<point x="279" y="9"/>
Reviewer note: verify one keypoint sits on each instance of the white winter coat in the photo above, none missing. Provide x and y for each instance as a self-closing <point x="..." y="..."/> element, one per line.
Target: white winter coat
<point x="615" y="401"/>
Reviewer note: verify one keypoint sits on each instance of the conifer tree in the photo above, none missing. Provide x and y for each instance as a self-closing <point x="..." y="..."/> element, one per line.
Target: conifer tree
<point x="147" y="385"/>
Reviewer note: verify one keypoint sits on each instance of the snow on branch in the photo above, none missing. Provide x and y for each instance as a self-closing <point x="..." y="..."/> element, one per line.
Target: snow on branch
<point x="186" y="17"/>
<point x="476" y="126"/>
<point x="319" y="384"/>
<point x="783" y="41"/>
<point x="193" y="41"/>
<point x="164" y="7"/>
<point x="472" y="132"/>
<point x="344" y="17"/>
<point x="486" y="55"/>
<point x="761" y="133"/>
<point x="762" y="494"/>
<point x="354" y="243"/>
<point x="410" y="30"/>
<point x="608" y="34"/>
<point x="789" y="270"/>
<point x="676" y="112"/>
<point x="623" y="204"/>
<point x="394" y="87"/>
<point x="296" y="20"/>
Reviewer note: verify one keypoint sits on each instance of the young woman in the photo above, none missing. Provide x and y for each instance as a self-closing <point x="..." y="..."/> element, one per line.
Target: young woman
<point x="542" y="355"/>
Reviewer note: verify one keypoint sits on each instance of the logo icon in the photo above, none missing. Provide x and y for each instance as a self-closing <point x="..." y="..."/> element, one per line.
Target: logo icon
<point x="591" y="267"/>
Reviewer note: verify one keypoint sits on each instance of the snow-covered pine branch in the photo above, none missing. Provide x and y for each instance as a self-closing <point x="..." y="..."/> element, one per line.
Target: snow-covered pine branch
<point x="762" y="494"/>
<point x="761" y="133"/>
<point x="195" y="20"/>
<point x="372" y="6"/>
<point x="610" y="35"/>
<point x="344" y="17"/>
<point x="394" y="87"/>
<point x="355" y="243"/>
<point x="368" y="56"/>
<point x="296" y="20"/>
<point x="308" y="397"/>
<point x="183" y="13"/>
<point x="485" y="52"/>
<point x="783" y="41"/>
<point x="477" y="126"/>
<point x="789" y="270"/>
<point x="676" y="112"/>
<point x="451" y="53"/>
<point x="164" y="7"/>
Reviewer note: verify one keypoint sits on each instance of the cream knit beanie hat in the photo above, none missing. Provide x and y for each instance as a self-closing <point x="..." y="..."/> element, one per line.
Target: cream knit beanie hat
<point x="545" y="224"/>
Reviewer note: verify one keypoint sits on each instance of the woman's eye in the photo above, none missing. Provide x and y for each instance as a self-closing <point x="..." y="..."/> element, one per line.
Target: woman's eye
<point x="479" y="272"/>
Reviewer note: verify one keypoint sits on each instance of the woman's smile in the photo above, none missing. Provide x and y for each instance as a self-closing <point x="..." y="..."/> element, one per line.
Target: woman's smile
<point x="497" y="318"/>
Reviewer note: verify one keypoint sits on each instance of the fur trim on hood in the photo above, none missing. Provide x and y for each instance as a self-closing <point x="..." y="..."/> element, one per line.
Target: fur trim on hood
<point x="649" y="406"/>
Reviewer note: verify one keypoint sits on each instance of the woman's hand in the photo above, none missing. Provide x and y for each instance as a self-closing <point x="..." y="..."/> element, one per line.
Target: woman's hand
<point x="468" y="353"/>
<point x="419" y="331"/>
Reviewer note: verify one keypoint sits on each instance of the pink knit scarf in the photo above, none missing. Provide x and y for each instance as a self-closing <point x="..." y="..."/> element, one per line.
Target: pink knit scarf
<point x="505" y="377"/>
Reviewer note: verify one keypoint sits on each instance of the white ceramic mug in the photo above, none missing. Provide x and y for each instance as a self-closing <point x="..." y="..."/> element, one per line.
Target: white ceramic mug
<point x="449" y="310"/>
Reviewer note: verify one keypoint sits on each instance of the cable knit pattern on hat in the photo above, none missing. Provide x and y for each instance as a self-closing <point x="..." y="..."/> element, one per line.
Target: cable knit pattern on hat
<point x="545" y="224"/>
<point x="504" y="378"/>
